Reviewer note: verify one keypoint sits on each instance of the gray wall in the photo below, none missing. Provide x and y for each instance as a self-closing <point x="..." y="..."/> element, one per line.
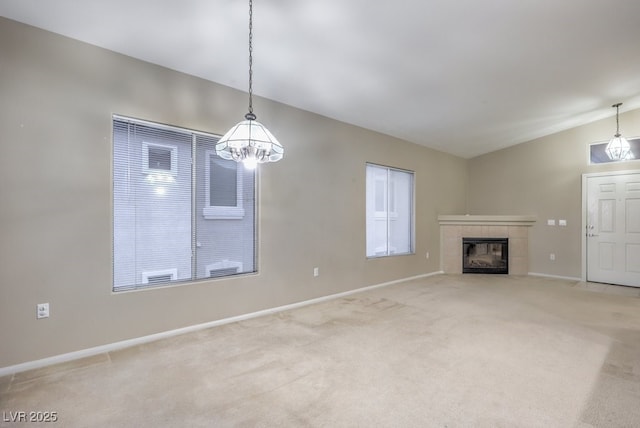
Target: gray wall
<point x="57" y="97"/>
<point x="544" y="177"/>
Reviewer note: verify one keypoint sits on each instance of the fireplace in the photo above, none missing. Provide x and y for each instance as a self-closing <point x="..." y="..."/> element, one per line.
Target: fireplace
<point x="485" y="255"/>
<point x="514" y="227"/>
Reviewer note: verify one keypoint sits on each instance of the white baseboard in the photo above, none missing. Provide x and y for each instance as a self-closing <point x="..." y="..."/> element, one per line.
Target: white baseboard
<point x="89" y="352"/>
<point x="544" y="275"/>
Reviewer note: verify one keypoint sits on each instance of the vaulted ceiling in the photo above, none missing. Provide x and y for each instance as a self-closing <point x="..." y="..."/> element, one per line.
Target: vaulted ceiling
<point x="465" y="76"/>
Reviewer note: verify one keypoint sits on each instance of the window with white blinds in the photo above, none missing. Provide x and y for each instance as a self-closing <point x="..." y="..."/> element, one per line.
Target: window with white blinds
<point x="180" y="213"/>
<point x="389" y="211"/>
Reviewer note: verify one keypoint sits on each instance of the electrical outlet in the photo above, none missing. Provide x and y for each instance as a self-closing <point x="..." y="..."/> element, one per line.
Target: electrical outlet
<point x="316" y="271"/>
<point x="552" y="257"/>
<point x="427" y="255"/>
<point x="42" y="310"/>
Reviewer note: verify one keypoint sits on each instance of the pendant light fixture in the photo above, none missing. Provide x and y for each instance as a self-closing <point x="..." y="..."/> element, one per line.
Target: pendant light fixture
<point x="618" y="148"/>
<point x="250" y="141"/>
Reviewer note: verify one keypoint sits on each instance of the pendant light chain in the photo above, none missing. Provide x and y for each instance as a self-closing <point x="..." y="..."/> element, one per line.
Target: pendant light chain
<point x="249" y="141"/>
<point x="617" y="106"/>
<point x="251" y="58"/>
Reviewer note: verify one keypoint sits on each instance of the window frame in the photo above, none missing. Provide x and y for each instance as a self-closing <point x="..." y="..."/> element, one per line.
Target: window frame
<point x="164" y="177"/>
<point x="173" y="150"/>
<point x="600" y="146"/>
<point x="390" y="213"/>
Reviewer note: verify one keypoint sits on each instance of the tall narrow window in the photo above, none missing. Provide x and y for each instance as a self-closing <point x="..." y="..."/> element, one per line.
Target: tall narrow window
<point x="224" y="188"/>
<point x="389" y="211"/>
<point x="180" y="212"/>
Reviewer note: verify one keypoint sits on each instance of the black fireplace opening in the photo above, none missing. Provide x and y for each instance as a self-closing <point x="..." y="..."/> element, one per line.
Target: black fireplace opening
<point x="485" y="255"/>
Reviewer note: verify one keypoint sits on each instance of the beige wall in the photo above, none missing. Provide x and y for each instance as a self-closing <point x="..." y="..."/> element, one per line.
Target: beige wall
<point x="56" y="101"/>
<point x="544" y="177"/>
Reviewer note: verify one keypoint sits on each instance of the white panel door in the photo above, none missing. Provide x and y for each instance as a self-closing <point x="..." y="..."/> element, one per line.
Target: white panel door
<point x="613" y="229"/>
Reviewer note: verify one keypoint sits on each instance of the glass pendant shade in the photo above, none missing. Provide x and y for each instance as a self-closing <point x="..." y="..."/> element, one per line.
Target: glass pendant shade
<point x="249" y="142"/>
<point x="618" y="148"/>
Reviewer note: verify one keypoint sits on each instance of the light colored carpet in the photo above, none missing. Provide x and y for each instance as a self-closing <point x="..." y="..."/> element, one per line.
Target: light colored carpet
<point x="445" y="351"/>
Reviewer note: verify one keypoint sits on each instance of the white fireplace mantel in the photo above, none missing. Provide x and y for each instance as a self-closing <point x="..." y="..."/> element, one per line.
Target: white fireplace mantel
<point x="487" y="220"/>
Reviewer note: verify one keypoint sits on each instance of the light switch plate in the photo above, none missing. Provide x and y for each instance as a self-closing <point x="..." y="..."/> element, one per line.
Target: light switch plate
<point x="42" y="310"/>
<point x="551" y="222"/>
<point x="562" y="222"/>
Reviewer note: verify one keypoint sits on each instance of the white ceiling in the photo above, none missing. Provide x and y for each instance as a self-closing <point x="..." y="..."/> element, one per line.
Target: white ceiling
<point x="462" y="76"/>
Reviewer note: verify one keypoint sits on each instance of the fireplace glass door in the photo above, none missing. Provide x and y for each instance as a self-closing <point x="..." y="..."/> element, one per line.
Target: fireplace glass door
<point x="485" y="255"/>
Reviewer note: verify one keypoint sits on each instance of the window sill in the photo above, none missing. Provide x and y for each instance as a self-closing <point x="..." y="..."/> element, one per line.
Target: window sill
<point x="223" y="213"/>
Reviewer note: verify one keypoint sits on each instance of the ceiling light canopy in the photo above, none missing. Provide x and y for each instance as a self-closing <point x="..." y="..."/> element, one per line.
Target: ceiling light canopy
<point x="250" y="141"/>
<point x="618" y="147"/>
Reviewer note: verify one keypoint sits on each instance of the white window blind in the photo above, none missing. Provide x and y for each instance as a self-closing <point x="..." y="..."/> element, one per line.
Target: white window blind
<point x="389" y="211"/>
<point x="162" y="186"/>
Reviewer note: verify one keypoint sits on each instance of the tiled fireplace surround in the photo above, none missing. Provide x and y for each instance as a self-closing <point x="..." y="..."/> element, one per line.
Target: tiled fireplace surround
<point x="455" y="227"/>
